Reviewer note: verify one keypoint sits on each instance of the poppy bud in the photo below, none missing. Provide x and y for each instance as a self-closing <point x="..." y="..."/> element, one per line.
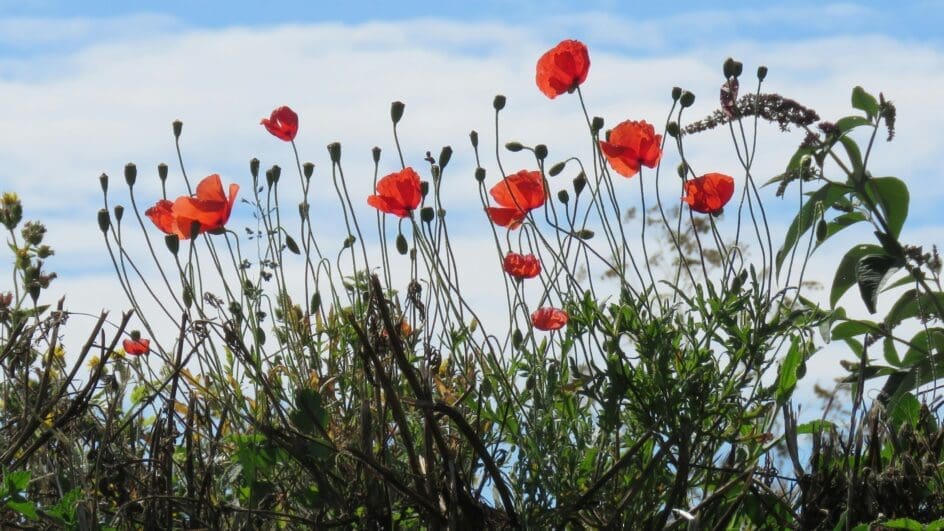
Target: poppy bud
<point x="479" y="174"/>
<point x="557" y="168"/>
<point x="672" y="129"/>
<point x="761" y="73"/>
<point x="563" y="196"/>
<point x="104" y="220"/>
<point x="474" y="137"/>
<point x="103" y="181"/>
<point x="173" y="243"/>
<point x="349" y="241"/>
<point x="375" y="154"/>
<point x="303" y="209"/>
<point x="596" y="125"/>
<point x="131" y="173"/>
<point x="499" y="102"/>
<point x="424" y="188"/>
<point x="334" y="150"/>
<point x="514" y="147"/>
<point x="402" y="246"/>
<point x="676" y="93"/>
<point x="444" y="157"/>
<point x="435" y="171"/>
<point x="307" y="169"/>
<point x="732" y="68"/>
<point x="427" y="214"/>
<point x="821" y="230"/>
<point x="584" y="234"/>
<point x="188" y="297"/>
<point x="687" y="99"/>
<point x="316" y="302"/>
<point x="291" y="245"/>
<point x="254" y="168"/>
<point x="516" y="338"/>
<point x="119" y="213"/>
<point x="396" y="111"/>
<point x="540" y="151"/>
<point x="178" y="126"/>
<point x="162" y="172"/>
<point x="682" y="170"/>
<point x="273" y="174"/>
<point x="580" y="182"/>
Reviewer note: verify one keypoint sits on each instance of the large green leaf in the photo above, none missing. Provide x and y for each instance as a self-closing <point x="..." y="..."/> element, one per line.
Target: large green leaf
<point x="864" y="101"/>
<point x="787" y="380"/>
<point x="838" y="223"/>
<point x="871" y="272"/>
<point x="846" y="272"/>
<point x="818" y="202"/>
<point x="891" y="195"/>
<point x="914" y="304"/>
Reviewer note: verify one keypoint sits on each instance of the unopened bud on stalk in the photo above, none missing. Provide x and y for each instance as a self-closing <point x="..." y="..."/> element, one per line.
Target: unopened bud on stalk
<point x="676" y="93"/>
<point x="596" y="125"/>
<point x="173" y="243"/>
<point x="349" y="241"/>
<point x="540" y="151"/>
<point x="672" y="129"/>
<point x="427" y="214"/>
<point x="402" y="246"/>
<point x="308" y="169"/>
<point x="682" y="170"/>
<point x="499" y="102"/>
<point x="119" y="213"/>
<point x="580" y="182"/>
<point x="732" y="68"/>
<point x="424" y="188"/>
<point x="334" y="150"/>
<point x="375" y="154"/>
<point x="474" y="137"/>
<point x="396" y="111"/>
<point x="557" y="168"/>
<point x="435" y="172"/>
<point x="514" y="147"/>
<point x="162" y="172"/>
<point x="687" y="99"/>
<point x="761" y="73"/>
<point x="273" y="174"/>
<point x="563" y="196"/>
<point x="178" y="127"/>
<point x="444" y="156"/>
<point x="103" y="181"/>
<point x="131" y="173"/>
<point x="254" y="168"/>
<point x="104" y="220"/>
<point x="480" y="174"/>
<point x="303" y="209"/>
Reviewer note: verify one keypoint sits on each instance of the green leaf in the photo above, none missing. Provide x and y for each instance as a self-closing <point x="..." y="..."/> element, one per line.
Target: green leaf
<point x="864" y="101"/>
<point x="787" y="380"/>
<point x="845" y="273"/>
<point x="871" y="272"/>
<point x="891" y="195"/>
<point x="855" y="157"/>
<point x="815" y="426"/>
<point x="922" y="361"/>
<point x="848" y="123"/>
<point x="17" y="481"/>
<point x="849" y="329"/>
<point x="309" y="411"/>
<point x="26" y="508"/>
<point x="818" y="202"/>
<point x="905" y="410"/>
<point x="914" y="304"/>
<point x="903" y="523"/>
<point x="840" y="222"/>
<point x="890" y="352"/>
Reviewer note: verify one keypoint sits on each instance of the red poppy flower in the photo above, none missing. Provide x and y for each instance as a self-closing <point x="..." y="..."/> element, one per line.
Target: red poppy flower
<point x="521" y="266"/>
<point x="210" y="208"/>
<point x="397" y="193"/>
<point x="709" y="193"/>
<point x="283" y="123"/>
<point x="517" y="194"/>
<point x="548" y="318"/>
<point x="631" y="145"/>
<point x="562" y="68"/>
<point x="136" y="347"/>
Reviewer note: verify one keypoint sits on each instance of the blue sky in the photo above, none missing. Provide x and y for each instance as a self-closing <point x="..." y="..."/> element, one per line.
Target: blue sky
<point x="92" y="85"/>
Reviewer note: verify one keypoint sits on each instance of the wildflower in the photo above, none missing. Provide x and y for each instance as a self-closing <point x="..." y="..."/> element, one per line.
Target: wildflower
<point x="517" y="194"/>
<point x="709" y="193"/>
<point x="631" y="145"/>
<point x="283" y="123"/>
<point x="521" y="266"/>
<point x="398" y="193"/>
<point x="548" y="318"/>
<point x="136" y="345"/>
<point x="207" y="211"/>
<point x="563" y="68"/>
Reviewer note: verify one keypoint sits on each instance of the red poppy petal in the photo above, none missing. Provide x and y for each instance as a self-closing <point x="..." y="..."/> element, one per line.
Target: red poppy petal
<point x="506" y="217"/>
<point x="385" y="204"/>
<point x="210" y="189"/>
<point x="549" y="319"/>
<point x="162" y="216"/>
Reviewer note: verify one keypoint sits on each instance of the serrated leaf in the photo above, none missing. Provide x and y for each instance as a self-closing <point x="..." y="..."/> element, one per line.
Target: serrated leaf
<point x="864" y="101"/>
<point x="16" y="481"/>
<point x="871" y="272"/>
<point x="26" y="508"/>
<point x="892" y="196"/>
<point x="845" y="276"/>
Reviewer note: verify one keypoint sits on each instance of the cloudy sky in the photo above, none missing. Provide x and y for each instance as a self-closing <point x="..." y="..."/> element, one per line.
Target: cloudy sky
<point x="89" y="86"/>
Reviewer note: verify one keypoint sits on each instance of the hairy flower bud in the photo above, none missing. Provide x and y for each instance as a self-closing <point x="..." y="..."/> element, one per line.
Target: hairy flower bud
<point x="444" y="156"/>
<point x="563" y="196"/>
<point x="119" y="213"/>
<point x="676" y="93"/>
<point x="480" y="174"/>
<point x="732" y="68"/>
<point x="162" y="172"/>
<point x="173" y="243"/>
<point x="254" y="168"/>
<point x="396" y="111"/>
<point x="308" y="169"/>
<point x="514" y="147"/>
<point x="104" y="220"/>
<point x="334" y="151"/>
<point x="687" y="99"/>
<point x="557" y="168"/>
<point x="540" y="151"/>
<point x="427" y="214"/>
<point x="474" y="138"/>
<point x="761" y="73"/>
<point x="131" y="173"/>
<point x="596" y="125"/>
<point x="103" y="182"/>
<point x="178" y="127"/>
<point x="499" y="102"/>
